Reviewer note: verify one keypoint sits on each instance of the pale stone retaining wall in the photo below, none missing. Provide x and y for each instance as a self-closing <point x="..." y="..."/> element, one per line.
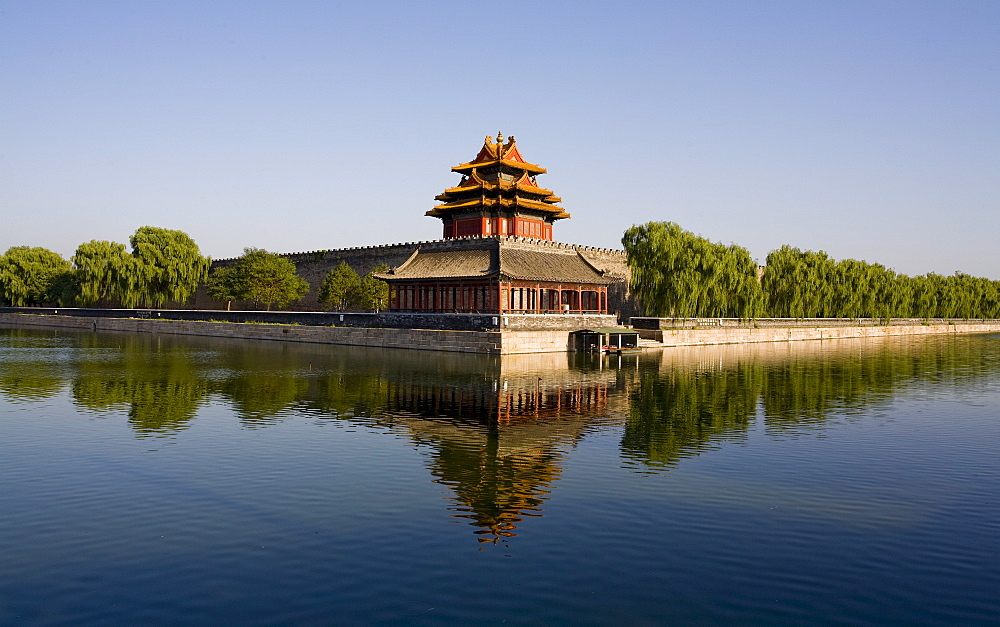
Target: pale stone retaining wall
<point x="491" y="342"/>
<point x="697" y="337"/>
<point x="645" y="324"/>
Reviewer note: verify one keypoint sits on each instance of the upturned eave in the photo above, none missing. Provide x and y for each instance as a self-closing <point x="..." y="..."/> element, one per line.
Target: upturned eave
<point x="519" y="165"/>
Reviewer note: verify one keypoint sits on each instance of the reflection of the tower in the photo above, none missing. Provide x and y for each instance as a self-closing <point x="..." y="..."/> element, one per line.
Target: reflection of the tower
<point x="497" y="435"/>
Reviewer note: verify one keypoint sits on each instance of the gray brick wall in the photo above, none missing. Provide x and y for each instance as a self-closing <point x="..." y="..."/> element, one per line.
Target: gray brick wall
<point x="313" y="266"/>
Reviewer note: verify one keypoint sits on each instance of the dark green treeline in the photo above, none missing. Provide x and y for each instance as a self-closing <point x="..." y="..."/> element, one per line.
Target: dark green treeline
<point x="678" y="274"/>
<point x="164" y="266"/>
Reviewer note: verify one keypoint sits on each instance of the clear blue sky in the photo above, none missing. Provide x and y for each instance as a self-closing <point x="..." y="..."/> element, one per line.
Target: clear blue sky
<point x="868" y="129"/>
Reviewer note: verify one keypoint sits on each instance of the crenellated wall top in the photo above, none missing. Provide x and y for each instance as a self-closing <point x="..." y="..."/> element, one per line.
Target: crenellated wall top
<point x="443" y="243"/>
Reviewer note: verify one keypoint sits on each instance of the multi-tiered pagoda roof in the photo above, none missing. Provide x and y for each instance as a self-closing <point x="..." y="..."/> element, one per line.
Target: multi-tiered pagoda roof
<point x="498" y="195"/>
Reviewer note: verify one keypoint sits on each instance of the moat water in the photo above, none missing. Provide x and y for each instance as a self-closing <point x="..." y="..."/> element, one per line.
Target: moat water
<point x="168" y="480"/>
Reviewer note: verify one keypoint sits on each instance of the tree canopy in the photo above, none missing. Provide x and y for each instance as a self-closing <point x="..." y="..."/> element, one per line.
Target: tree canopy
<point x="103" y="272"/>
<point x="32" y="276"/>
<point x="265" y="278"/>
<point x="341" y="288"/>
<point x="344" y="290"/>
<point x="168" y="267"/>
<point x="808" y="284"/>
<point x="374" y="291"/>
<point x="677" y="273"/>
<point x="222" y="285"/>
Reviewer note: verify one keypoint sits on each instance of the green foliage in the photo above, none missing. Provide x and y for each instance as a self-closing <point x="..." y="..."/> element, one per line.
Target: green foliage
<point x="103" y="272"/>
<point x="798" y="284"/>
<point x="265" y="278"/>
<point x="341" y="288"/>
<point x="344" y="290"/>
<point x="222" y="285"/>
<point x="63" y="289"/>
<point x="168" y="267"/>
<point x="32" y="276"/>
<point x="374" y="292"/>
<point x="160" y="387"/>
<point x="676" y="273"/>
<point x="806" y="284"/>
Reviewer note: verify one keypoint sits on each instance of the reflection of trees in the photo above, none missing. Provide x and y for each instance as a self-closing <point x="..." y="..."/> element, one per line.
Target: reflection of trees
<point x="259" y="397"/>
<point x="809" y="389"/>
<point x="678" y="413"/>
<point x="261" y="381"/>
<point x="349" y="393"/>
<point x="30" y="376"/>
<point x="158" y="384"/>
<point x="690" y="405"/>
<point x="806" y="392"/>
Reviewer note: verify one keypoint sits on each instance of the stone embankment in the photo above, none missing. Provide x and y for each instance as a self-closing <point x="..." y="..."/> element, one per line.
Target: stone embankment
<point x="488" y="341"/>
<point x="667" y="332"/>
<point x="507" y="338"/>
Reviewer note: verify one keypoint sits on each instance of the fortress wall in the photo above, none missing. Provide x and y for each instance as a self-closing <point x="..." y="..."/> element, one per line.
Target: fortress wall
<point x="313" y="266"/>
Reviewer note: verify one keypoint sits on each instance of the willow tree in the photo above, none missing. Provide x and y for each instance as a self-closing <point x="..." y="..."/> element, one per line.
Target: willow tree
<point x="677" y="273"/>
<point x="31" y="275"/>
<point x="799" y="284"/>
<point x="103" y="271"/>
<point x="924" y="302"/>
<point x="168" y="267"/>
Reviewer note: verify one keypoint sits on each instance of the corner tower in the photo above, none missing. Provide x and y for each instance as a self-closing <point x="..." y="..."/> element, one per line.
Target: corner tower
<point x="498" y="195"/>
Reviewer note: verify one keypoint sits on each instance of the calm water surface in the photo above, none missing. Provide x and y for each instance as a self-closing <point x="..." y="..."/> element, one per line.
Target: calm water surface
<point x="164" y="480"/>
